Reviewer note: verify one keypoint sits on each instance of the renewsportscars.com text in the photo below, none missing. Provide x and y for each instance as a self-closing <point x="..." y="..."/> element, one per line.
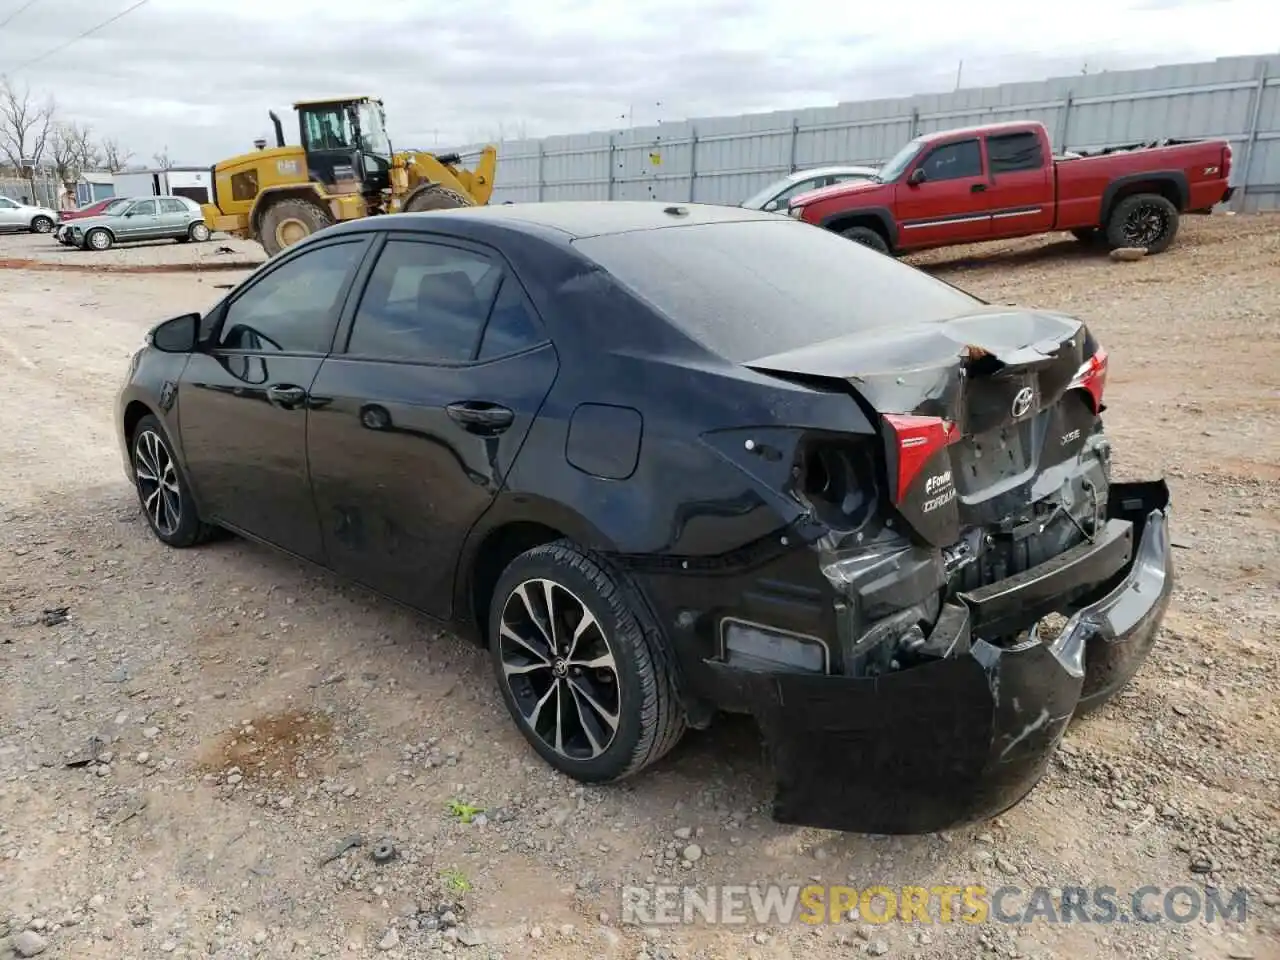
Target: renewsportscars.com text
<point x="971" y="904"/>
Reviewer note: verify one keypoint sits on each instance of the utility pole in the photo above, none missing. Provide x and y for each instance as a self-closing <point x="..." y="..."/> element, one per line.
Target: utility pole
<point x="959" y="70"/>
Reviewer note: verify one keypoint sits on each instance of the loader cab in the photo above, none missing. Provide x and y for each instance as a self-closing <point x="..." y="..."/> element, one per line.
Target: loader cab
<point x="346" y="144"/>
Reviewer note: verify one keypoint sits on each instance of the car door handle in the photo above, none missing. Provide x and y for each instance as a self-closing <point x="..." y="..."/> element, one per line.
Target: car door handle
<point x="480" y="416"/>
<point x="978" y="188"/>
<point x="286" y="395"/>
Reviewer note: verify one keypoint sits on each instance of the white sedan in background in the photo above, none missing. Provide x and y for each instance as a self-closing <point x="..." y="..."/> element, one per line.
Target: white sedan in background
<point x="24" y="217"/>
<point x="775" y="195"/>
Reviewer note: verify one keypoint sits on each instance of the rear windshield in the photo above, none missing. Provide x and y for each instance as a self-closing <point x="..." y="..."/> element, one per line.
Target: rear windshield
<point x="751" y="289"/>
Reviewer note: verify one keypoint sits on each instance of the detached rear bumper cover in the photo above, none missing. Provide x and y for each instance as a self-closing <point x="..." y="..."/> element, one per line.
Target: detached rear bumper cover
<point x="964" y="738"/>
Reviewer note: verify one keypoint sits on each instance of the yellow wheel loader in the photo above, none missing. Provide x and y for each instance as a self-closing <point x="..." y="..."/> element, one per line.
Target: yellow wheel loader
<point x="344" y="169"/>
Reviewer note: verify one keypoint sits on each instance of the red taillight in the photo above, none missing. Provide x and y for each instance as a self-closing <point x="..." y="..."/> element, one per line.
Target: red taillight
<point x="918" y="438"/>
<point x="1092" y="376"/>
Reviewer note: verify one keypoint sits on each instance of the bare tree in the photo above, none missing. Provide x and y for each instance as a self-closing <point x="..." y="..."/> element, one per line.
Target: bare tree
<point x="73" y="151"/>
<point x="162" y="160"/>
<point x="26" y="125"/>
<point x="115" y="156"/>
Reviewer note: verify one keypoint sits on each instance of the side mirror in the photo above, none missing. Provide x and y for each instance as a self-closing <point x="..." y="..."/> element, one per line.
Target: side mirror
<point x="772" y="205"/>
<point x="179" y="335"/>
<point x="918" y="176"/>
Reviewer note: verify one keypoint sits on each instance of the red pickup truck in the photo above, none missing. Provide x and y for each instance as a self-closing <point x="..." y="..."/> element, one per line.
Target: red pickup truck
<point x="1001" y="181"/>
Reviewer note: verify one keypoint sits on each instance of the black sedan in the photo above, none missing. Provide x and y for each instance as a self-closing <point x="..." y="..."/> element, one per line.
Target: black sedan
<point x="666" y="461"/>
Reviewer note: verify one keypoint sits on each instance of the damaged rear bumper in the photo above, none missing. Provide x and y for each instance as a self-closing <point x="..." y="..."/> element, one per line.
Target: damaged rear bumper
<point x="963" y="738"/>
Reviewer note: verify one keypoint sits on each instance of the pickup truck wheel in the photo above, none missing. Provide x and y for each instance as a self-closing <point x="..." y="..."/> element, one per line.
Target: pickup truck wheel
<point x="1145" y="220"/>
<point x="867" y="237"/>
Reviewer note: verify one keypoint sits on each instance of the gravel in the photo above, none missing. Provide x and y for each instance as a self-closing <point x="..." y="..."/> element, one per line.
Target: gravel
<point x="252" y="715"/>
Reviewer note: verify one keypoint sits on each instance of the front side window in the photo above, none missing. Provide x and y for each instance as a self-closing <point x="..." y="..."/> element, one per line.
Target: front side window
<point x="424" y="302"/>
<point x="954" y="161"/>
<point x="7" y="204"/>
<point x="294" y="308"/>
<point x="803" y="186"/>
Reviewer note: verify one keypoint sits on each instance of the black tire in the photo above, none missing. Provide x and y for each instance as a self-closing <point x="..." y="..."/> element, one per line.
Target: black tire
<point x="867" y="237"/>
<point x="151" y="456"/>
<point x="41" y="224"/>
<point x="436" y="197"/>
<point x="99" y="239"/>
<point x="650" y="718"/>
<point x="286" y="218"/>
<point x="1145" y="220"/>
<point x="199" y="232"/>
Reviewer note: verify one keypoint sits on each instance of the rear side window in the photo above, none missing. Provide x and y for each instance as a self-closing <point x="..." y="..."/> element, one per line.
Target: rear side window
<point x="425" y="302"/>
<point x="511" y="327"/>
<point x="172" y="206"/>
<point x="953" y="161"/>
<point x="1014" y="151"/>
<point x="751" y="289"/>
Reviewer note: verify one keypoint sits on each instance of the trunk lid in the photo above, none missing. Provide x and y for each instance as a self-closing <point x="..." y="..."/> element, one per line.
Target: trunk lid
<point x="972" y="409"/>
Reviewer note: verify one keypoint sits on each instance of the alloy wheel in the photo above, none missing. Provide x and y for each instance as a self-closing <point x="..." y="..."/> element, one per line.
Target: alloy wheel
<point x="561" y="671"/>
<point x="1145" y="225"/>
<point x="99" y="240"/>
<point x="158" y="485"/>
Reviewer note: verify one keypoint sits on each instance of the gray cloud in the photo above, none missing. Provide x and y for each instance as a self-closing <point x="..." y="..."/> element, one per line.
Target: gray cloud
<point x="199" y="78"/>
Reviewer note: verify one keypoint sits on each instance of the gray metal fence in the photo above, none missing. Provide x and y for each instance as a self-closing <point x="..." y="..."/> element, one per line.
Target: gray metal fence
<point x="42" y="191"/>
<point x="726" y="159"/>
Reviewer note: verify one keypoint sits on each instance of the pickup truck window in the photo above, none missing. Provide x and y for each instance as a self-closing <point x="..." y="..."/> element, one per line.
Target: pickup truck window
<point x="952" y="161"/>
<point x="1014" y="151"/>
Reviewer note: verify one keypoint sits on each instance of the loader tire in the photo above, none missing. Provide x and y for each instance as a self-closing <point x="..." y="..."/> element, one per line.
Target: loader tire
<point x="436" y="197"/>
<point x="288" y="221"/>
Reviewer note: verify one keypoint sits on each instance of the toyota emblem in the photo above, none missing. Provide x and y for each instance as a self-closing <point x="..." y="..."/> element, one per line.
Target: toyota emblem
<point x="1022" y="402"/>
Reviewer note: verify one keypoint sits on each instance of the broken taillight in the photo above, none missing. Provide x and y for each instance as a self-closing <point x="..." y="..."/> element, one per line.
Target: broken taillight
<point x="918" y="439"/>
<point x="1092" y="376"/>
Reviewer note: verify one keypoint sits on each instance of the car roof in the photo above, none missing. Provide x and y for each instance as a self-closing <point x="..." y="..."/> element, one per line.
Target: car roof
<point x="571" y="219"/>
<point x="825" y="171"/>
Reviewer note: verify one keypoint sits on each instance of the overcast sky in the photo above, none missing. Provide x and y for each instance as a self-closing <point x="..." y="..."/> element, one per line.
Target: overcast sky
<point x="198" y="76"/>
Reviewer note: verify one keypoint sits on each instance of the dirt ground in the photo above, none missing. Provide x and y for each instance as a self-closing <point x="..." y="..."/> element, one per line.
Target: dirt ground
<point x="254" y="714"/>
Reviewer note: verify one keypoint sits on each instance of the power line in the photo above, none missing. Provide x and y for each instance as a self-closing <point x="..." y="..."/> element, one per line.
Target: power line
<point x="81" y="36"/>
<point x="27" y="5"/>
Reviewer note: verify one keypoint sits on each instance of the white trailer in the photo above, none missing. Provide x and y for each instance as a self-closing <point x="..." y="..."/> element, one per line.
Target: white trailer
<point x="137" y="183"/>
<point x="192" y="182"/>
